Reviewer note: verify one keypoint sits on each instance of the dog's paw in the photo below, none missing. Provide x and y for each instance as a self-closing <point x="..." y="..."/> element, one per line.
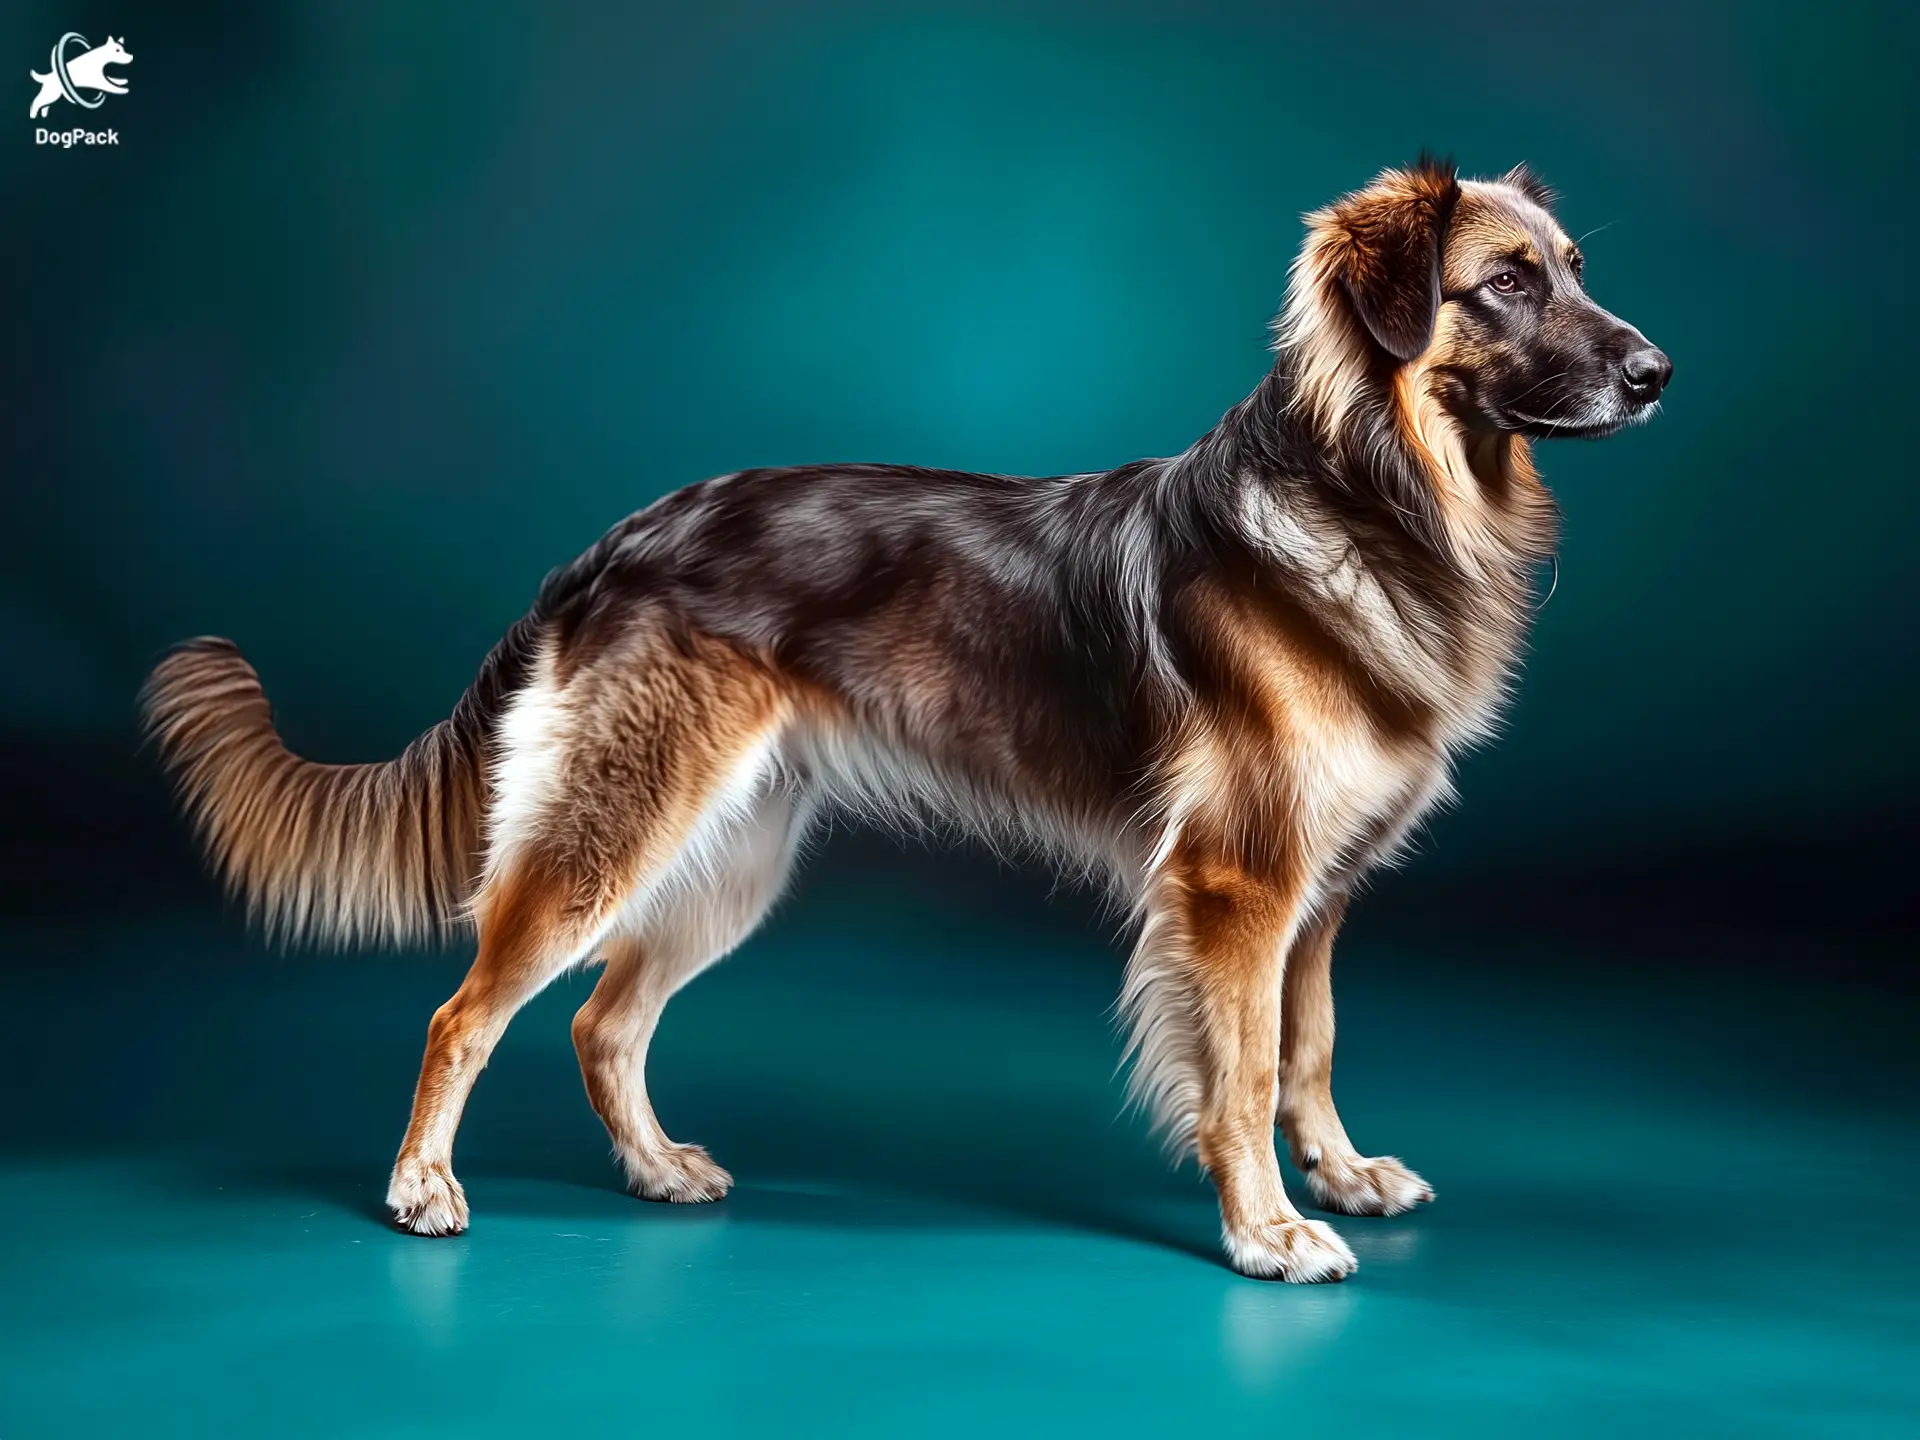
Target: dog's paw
<point x="426" y="1200"/>
<point x="1301" y="1252"/>
<point x="679" y="1175"/>
<point x="1357" y="1185"/>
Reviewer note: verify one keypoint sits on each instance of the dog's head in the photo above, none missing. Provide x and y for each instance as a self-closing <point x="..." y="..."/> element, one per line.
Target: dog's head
<point x="113" y="52"/>
<point x="1474" y="282"/>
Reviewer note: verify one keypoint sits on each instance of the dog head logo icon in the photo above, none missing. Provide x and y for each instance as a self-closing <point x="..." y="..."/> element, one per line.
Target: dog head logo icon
<point x="71" y="73"/>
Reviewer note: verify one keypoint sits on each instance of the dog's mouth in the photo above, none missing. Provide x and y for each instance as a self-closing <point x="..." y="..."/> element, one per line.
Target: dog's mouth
<point x="1541" y="429"/>
<point x="1595" y="422"/>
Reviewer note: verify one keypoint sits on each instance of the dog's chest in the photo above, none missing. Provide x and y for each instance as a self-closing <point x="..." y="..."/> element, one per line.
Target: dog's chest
<point x="1355" y="789"/>
<point x="1306" y="739"/>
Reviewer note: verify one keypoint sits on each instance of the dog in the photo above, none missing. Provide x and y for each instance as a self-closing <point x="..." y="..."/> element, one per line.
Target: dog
<point x="86" y="71"/>
<point x="1227" y="684"/>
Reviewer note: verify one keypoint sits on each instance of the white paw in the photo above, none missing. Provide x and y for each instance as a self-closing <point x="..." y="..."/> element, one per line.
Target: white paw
<point x="1360" y="1186"/>
<point x="679" y="1174"/>
<point x="426" y="1199"/>
<point x="1301" y="1252"/>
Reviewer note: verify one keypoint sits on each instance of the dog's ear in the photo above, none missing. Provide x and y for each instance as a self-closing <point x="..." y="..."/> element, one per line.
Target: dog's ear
<point x="1383" y="247"/>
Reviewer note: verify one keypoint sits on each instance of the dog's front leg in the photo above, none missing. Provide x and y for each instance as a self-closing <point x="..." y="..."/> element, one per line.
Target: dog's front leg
<point x="1237" y="924"/>
<point x="1340" y="1177"/>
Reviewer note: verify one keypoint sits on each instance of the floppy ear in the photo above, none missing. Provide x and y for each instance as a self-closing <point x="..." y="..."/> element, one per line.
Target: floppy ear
<point x="1384" y="246"/>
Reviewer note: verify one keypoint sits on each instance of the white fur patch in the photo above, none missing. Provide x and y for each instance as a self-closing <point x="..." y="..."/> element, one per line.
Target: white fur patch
<point x="734" y="817"/>
<point x="1158" y="1007"/>
<point x="530" y="746"/>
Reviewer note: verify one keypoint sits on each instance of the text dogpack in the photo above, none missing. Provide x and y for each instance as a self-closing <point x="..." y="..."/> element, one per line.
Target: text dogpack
<point x="67" y="139"/>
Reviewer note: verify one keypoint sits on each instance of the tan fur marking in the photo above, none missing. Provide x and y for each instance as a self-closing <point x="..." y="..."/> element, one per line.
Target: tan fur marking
<point x="1488" y="226"/>
<point x="1306" y="744"/>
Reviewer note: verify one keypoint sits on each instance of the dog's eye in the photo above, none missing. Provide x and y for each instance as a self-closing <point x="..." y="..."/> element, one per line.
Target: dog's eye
<point x="1505" y="283"/>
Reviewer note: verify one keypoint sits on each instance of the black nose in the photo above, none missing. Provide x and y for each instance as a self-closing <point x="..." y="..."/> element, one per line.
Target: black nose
<point x="1646" y="372"/>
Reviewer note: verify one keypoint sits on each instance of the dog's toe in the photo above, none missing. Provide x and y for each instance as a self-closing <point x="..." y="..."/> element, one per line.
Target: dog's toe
<point x="1302" y="1252"/>
<point x="679" y="1175"/>
<point x="427" y="1200"/>
<point x="1381" y="1185"/>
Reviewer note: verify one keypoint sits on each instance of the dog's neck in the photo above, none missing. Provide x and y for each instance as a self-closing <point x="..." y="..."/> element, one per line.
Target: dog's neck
<point x="1451" y="524"/>
<point x="1381" y="438"/>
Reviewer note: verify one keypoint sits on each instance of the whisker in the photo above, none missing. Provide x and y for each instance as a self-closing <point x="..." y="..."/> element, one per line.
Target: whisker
<point x="1538" y="383"/>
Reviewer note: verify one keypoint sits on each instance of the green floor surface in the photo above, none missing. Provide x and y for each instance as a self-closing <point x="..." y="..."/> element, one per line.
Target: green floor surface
<point x="1669" y="1203"/>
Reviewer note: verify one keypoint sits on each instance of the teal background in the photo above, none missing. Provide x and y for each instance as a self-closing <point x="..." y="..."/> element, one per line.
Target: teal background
<point x="379" y="311"/>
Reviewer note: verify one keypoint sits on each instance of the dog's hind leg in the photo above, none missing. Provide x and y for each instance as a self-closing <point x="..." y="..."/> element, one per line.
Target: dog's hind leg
<point x="604" y="786"/>
<point x="702" y="912"/>
<point x="1339" y="1176"/>
<point x="533" y="929"/>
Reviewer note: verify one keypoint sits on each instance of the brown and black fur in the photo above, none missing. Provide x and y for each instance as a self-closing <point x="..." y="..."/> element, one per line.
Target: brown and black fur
<point x="1226" y="683"/>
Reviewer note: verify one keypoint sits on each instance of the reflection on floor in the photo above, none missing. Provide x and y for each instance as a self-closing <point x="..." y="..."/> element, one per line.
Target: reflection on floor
<point x="1678" y="1205"/>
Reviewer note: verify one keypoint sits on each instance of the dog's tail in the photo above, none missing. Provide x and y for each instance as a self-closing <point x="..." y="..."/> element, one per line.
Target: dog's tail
<point x="331" y="854"/>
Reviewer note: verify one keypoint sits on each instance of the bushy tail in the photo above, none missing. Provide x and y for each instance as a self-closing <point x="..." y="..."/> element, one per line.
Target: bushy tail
<point x="330" y="854"/>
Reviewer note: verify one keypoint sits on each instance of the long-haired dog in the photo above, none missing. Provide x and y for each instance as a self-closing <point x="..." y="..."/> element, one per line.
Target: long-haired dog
<point x="1227" y="683"/>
